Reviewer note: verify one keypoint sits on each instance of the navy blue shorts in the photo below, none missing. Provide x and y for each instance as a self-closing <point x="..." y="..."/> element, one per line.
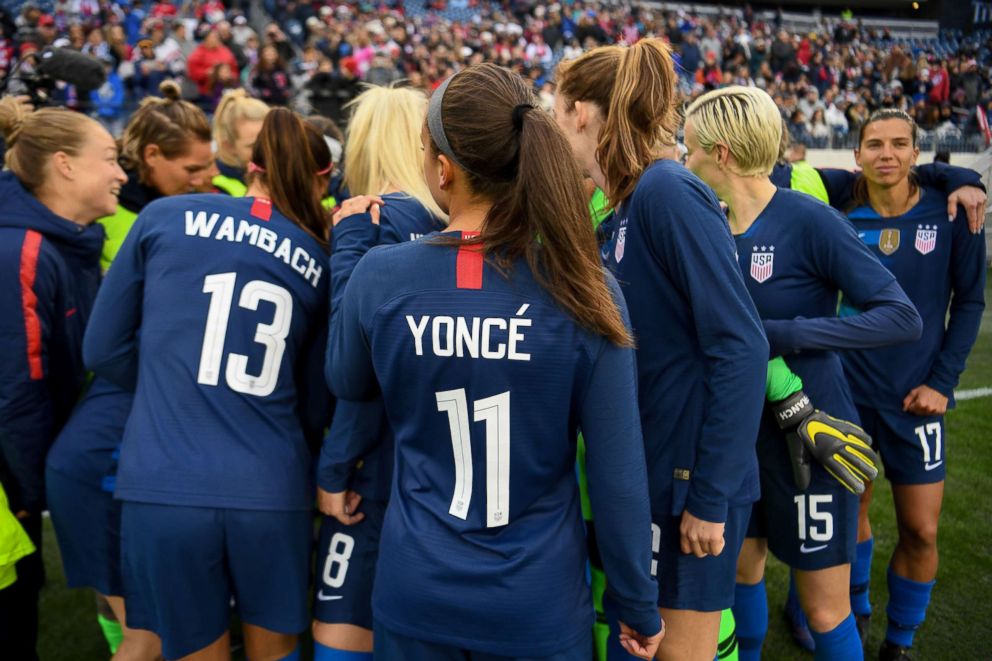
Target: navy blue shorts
<point x="913" y="447"/>
<point x="345" y="572"/>
<point x="87" y="523"/>
<point x="686" y="582"/>
<point x="807" y="530"/>
<point x="390" y="645"/>
<point x="186" y="563"/>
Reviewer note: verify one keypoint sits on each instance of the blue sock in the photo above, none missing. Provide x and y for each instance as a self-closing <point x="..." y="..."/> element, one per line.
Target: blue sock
<point x="861" y="577"/>
<point x="292" y="656"/>
<point x="325" y="653"/>
<point x="907" y="609"/>
<point x="840" y="644"/>
<point x="751" y="613"/>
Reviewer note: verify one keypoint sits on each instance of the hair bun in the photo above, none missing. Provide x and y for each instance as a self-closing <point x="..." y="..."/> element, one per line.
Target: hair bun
<point x="12" y="115"/>
<point x="170" y="90"/>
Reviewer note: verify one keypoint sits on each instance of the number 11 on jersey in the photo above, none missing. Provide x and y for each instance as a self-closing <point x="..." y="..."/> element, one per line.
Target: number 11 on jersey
<point x="495" y="412"/>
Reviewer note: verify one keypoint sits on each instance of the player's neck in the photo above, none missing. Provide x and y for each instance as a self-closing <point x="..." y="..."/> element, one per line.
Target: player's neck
<point x="257" y="189"/>
<point x="746" y="198"/>
<point x="467" y="216"/>
<point x="891" y="201"/>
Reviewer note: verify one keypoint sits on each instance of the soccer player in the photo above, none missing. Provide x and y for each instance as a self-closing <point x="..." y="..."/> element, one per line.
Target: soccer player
<point x="384" y="168"/>
<point x="701" y="355"/>
<point x="807" y="253"/>
<point x="165" y="151"/>
<point x="236" y="124"/>
<point x="61" y="175"/>
<point x="903" y="392"/>
<point x="215" y="309"/>
<point x="500" y="337"/>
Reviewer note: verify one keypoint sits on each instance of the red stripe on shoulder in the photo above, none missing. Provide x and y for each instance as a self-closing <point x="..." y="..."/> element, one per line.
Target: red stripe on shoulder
<point x="468" y="265"/>
<point x="29" y="302"/>
<point x="261" y="208"/>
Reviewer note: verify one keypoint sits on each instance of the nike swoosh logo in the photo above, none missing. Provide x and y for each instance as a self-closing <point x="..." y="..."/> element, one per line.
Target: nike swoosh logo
<point x="323" y="597"/>
<point x="811" y="549"/>
<point x="930" y="467"/>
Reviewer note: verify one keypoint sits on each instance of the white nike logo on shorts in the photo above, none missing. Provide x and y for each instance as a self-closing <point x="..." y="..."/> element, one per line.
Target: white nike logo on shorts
<point x="812" y="549"/>
<point x="930" y="467"/>
<point x="322" y="597"/>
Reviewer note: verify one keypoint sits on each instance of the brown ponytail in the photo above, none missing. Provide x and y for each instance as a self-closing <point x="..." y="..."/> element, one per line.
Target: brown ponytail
<point x="290" y="153"/>
<point x="635" y="89"/>
<point x="526" y="169"/>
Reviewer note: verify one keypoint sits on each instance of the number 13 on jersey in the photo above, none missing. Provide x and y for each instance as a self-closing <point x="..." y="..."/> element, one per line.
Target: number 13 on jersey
<point x="495" y="412"/>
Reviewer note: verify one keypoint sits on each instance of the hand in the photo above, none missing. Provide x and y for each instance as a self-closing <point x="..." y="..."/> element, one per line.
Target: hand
<point x="924" y="400"/>
<point x="639" y="645"/>
<point x="342" y="505"/>
<point x="359" y="204"/>
<point x="973" y="199"/>
<point x="700" y="538"/>
<point x="844" y="449"/>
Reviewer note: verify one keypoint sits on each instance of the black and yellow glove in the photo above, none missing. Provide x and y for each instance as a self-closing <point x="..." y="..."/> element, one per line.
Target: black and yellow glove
<point x="844" y="449"/>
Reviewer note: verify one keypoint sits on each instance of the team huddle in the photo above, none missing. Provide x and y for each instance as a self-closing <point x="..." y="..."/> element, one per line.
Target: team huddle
<point x="424" y="346"/>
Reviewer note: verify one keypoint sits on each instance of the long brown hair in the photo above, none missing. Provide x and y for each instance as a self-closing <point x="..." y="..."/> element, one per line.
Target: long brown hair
<point x="289" y="154"/>
<point x="522" y="163"/>
<point x="859" y="192"/>
<point x="167" y="121"/>
<point x="635" y="89"/>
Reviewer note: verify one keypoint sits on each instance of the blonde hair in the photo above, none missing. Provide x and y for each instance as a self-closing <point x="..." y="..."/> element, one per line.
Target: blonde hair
<point x="746" y="120"/>
<point x="383" y="147"/>
<point x="634" y="88"/>
<point x="236" y="106"/>
<point x="33" y="137"/>
<point x="166" y="121"/>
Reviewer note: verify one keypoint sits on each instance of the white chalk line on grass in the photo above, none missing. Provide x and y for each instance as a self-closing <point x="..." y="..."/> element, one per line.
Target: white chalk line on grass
<point x="974" y="393"/>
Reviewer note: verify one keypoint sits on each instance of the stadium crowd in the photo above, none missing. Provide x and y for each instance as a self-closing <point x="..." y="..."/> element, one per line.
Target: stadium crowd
<point x="315" y="56"/>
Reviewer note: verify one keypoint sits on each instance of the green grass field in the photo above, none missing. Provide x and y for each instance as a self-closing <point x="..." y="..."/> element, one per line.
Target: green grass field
<point x="960" y="611"/>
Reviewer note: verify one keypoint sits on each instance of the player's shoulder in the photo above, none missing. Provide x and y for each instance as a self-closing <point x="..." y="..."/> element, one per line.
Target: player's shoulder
<point x="667" y="191"/>
<point x="805" y="212"/>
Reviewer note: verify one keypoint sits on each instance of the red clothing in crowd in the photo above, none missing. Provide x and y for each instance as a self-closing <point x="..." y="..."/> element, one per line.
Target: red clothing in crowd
<point x="202" y="61"/>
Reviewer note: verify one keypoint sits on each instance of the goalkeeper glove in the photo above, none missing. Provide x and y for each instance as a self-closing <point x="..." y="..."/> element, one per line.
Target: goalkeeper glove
<point x="844" y="449"/>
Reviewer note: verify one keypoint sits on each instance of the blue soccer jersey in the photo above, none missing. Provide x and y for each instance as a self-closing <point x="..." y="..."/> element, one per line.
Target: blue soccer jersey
<point x="485" y="382"/>
<point x="215" y="308"/>
<point x="941" y="266"/>
<point x="701" y="354"/>
<point x="402" y="218"/>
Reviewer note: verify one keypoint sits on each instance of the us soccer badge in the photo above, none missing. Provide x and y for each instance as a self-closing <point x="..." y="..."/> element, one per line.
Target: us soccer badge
<point x="621" y="240"/>
<point x="926" y="238"/>
<point x="888" y="241"/>
<point x="762" y="263"/>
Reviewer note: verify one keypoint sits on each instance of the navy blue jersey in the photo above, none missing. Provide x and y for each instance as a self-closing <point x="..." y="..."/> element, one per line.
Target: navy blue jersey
<point x="701" y="356"/>
<point x="796" y="257"/>
<point x="939" y="264"/>
<point x="485" y="382"/>
<point x="947" y="178"/>
<point x="230" y="298"/>
<point x="84" y="449"/>
<point x="402" y="218"/>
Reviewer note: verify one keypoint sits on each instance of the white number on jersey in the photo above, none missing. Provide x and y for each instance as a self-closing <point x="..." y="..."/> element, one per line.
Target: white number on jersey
<point x="815" y="533"/>
<point x="655" y="548"/>
<point x="338" y="553"/>
<point x="273" y="335"/>
<point x="925" y="431"/>
<point x="495" y="412"/>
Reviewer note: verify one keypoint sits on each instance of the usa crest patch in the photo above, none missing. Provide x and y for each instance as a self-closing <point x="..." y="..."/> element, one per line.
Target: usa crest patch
<point x="621" y="240"/>
<point x="762" y="263"/>
<point x="926" y="238"/>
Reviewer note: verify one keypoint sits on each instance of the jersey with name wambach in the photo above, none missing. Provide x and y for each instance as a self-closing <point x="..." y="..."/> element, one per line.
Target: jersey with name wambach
<point x="216" y="308"/>
<point x="939" y="263"/>
<point x="485" y="381"/>
<point x="796" y="257"/>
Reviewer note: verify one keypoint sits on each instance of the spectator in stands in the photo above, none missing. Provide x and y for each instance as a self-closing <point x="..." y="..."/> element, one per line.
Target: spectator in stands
<point x="205" y="57"/>
<point x="270" y="79"/>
